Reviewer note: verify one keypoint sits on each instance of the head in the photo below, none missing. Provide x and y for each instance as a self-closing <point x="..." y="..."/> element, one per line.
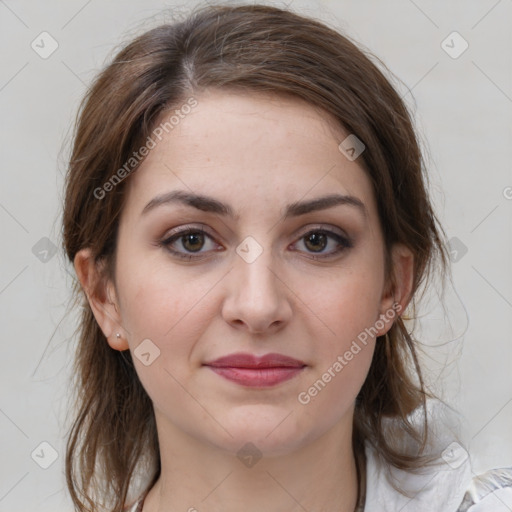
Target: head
<point x="248" y="106"/>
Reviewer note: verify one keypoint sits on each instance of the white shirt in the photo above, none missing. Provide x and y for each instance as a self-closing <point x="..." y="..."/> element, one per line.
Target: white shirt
<point x="446" y="487"/>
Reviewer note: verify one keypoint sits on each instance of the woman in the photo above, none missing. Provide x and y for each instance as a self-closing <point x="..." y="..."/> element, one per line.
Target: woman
<point x="247" y="214"/>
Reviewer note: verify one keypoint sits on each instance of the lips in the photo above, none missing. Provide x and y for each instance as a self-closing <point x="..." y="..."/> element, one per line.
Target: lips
<point x="256" y="371"/>
<point x="241" y="360"/>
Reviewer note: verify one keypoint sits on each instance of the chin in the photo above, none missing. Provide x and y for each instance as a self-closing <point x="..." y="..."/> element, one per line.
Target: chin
<point x="273" y="430"/>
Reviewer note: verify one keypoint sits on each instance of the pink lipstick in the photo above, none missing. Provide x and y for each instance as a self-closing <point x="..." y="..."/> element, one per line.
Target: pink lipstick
<point x="254" y="371"/>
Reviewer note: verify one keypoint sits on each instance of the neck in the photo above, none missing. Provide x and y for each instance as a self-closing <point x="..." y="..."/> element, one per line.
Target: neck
<point x="196" y="476"/>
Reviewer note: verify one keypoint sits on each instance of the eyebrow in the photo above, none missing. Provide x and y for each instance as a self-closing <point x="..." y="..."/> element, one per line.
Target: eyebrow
<point x="212" y="205"/>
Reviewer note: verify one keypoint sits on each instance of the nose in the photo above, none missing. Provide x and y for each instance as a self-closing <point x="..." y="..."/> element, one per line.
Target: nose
<point x="257" y="297"/>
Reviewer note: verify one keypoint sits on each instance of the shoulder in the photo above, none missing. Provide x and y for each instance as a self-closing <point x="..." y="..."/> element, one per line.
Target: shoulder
<point x="489" y="492"/>
<point x="440" y="488"/>
<point x="447" y="485"/>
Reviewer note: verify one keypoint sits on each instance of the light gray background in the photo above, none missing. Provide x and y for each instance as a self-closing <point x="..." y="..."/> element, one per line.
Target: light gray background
<point x="463" y="110"/>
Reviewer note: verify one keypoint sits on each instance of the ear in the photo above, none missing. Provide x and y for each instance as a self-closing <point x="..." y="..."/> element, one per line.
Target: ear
<point x="397" y="292"/>
<point x="101" y="295"/>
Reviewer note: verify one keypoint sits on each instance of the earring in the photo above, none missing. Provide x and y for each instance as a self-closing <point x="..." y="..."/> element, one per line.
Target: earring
<point x="118" y="335"/>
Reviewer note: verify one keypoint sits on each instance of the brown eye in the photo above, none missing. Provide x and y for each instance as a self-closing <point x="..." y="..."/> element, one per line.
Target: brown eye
<point x="193" y="241"/>
<point x="190" y="243"/>
<point x="316" y="241"/>
<point x="322" y="243"/>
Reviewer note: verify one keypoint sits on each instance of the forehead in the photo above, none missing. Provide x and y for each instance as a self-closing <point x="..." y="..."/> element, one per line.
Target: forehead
<point x="251" y="148"/>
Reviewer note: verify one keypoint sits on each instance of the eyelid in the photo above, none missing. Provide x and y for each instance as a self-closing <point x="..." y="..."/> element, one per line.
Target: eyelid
<point x="183" y="229"/>
<point x="322" y="227"/>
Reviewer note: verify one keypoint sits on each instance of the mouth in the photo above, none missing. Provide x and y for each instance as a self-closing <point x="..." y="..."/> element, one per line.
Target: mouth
<point x="253" y="371"/>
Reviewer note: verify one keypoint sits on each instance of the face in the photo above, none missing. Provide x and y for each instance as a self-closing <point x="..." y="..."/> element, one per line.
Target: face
<point x="255" y="265"/>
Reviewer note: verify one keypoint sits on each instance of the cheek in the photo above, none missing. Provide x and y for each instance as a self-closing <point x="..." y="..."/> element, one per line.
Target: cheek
<point x="349" y="309"/>
<point x="330" y="394"/>
<point x="347" y="347"/>
<point x="344" y="351"/>
<point x="350" y="303"/>
<point x="167" y="308"/>
<point x="166" y="305"/>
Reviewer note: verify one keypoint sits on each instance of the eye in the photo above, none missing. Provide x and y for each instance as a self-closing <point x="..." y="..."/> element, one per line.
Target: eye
<point x="318" y="240"/>
<point x="189" y="241"/>
<point x="194" y="243"/>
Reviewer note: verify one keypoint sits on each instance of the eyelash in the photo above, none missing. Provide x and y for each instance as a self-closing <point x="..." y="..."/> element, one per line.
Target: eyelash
<point x="344" y="243"/>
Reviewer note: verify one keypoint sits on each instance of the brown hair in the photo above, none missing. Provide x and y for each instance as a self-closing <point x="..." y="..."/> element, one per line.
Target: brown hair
<point x="246" y="48"/>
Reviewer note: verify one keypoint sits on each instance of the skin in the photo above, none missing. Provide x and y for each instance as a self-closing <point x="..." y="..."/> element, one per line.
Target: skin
<point x="257" y="154"/>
